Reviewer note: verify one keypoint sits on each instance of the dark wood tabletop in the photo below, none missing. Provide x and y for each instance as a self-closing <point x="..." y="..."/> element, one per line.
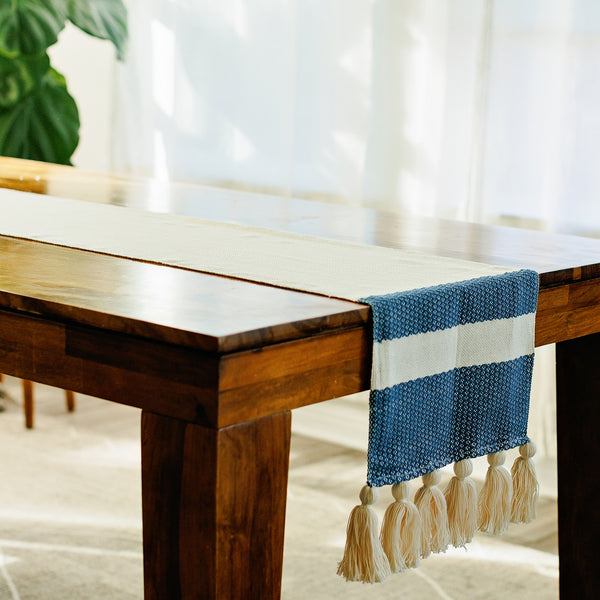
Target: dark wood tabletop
<point x="107" y="290"/>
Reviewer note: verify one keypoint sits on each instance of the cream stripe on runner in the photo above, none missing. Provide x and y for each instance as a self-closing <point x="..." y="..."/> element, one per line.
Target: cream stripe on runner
<point x="334" y="268"/>
<point x="426" y="354"/>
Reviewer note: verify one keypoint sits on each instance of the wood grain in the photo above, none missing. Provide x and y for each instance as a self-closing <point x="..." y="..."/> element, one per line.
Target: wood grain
<point x="568" y="311"/>
<point x="162" y="457"/>
<point x="40" y="350"/>
<point x="184" y="383"/>
<point x="159" y="302"/>
<point x="214" y="389"/>
<point x="293" y="374"/>
<point x="577" y="417"/>
<point x="105" y="292"/>
<point x="557" y="257"/>
<point x="214" y="520"/>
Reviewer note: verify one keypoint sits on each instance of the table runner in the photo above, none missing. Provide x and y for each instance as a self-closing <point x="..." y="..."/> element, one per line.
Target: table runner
<point x="452" y="359"/>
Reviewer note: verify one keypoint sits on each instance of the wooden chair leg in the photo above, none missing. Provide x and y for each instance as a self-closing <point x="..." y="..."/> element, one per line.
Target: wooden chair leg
<point x="28" y="402"/>
<point x="70" y="400"/>
<point x="1" y="377"/>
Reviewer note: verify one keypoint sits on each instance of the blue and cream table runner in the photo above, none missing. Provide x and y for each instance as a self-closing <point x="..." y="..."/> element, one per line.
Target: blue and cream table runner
<point x="453" y="339"/>
<point x="451" y="373"/>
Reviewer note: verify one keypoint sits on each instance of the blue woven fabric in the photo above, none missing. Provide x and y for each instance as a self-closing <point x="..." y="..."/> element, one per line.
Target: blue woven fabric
<point x="420" y="425"/>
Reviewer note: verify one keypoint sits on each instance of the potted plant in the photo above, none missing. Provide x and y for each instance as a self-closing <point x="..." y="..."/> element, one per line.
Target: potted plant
<point x="39" y="119"/>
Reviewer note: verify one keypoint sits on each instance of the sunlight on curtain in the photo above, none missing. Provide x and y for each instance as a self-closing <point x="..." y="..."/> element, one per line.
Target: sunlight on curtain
<point x="334" y="99"/>
<point x="472" y="109"/>
<point x="543" y="122"/>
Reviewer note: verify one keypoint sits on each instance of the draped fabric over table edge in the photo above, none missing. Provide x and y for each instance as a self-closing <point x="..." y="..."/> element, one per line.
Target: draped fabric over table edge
<point x="452" y="359"/>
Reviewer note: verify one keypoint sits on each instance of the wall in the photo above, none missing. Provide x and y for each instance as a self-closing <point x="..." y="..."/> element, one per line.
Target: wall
<point x="89" y="65"/>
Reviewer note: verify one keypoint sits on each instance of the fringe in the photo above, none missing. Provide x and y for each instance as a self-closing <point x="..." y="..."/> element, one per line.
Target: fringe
<point x="526" y="490"/>
<point x="461" y="499"/>
<point x="496" y="496"/>
<point x="435" y="535"/>
<point x="401" y="530"/>
<point x="411" y="531"/>
<point x="364" y="559"/>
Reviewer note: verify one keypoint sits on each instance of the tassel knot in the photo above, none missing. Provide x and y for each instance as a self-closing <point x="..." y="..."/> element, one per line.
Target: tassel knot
<point x="364" y="559"/>
<point x="495" y="496"/>
<point x="526" y="490"/>
<point x="461" y="498"/>
<point x="401" y="530"/>
<point x="435" y="535"/>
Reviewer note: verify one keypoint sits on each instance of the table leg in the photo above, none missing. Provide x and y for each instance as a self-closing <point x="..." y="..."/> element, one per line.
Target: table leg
<point x="214" y="508"/>
<point x="578" y="415"/>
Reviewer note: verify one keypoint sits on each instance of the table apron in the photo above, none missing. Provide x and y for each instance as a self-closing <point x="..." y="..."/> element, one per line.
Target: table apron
<point x="214" y="390"/>
<point x="568" y="311"/>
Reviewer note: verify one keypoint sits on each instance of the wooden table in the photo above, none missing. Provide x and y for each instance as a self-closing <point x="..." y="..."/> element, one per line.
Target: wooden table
<point x="216" y="365"/>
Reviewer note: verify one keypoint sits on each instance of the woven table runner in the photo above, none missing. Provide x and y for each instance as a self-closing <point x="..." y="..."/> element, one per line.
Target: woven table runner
<point x="452" y="359"/>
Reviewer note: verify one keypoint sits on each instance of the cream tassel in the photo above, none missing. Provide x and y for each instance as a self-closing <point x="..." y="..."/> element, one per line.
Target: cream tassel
<point x="364" y="559"/>
<point x="461" y="498"/>
<point x="431" y="503"/>
<point x="401" y="530"/>
<point x="495" y="497"/>
<point x="526" y="490"/>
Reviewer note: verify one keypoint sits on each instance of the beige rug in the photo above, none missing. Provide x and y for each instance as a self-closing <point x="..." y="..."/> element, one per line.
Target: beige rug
<point x="70" y="517"/>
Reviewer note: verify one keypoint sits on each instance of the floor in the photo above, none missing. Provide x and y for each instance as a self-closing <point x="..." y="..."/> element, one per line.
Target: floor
<point x="70" y="514"/>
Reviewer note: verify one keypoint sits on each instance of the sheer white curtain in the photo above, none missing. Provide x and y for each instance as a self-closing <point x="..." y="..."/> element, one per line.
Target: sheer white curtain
<point x="355" y="99"/>
<point x="473" y="109"/>
<point x="464" y="108"/>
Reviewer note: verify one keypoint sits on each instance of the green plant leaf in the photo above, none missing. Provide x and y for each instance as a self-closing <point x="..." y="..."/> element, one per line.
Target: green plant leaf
<point x="19" y="76"/>
<point x="31" y="26"/>
<point x="105" y="19"/>
<point x="42" y="126"/>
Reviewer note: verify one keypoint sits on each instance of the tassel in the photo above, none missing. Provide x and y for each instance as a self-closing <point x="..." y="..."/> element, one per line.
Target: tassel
<point x="495" y="496"/>
<point x="526" y="490"/>
<point x="431" y="503"/>
<point x="364" y="559"/>
<point x="461" y="498"/>
<point x="401" y="530"/>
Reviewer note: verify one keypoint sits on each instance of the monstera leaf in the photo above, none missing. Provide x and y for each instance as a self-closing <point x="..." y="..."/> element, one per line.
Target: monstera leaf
<point x="30" y="26"/>
<point x="38" y="117"/>
<point x="105" y="19"/>
<point x="19" y="76"/>
<point x="44" y="124"/>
